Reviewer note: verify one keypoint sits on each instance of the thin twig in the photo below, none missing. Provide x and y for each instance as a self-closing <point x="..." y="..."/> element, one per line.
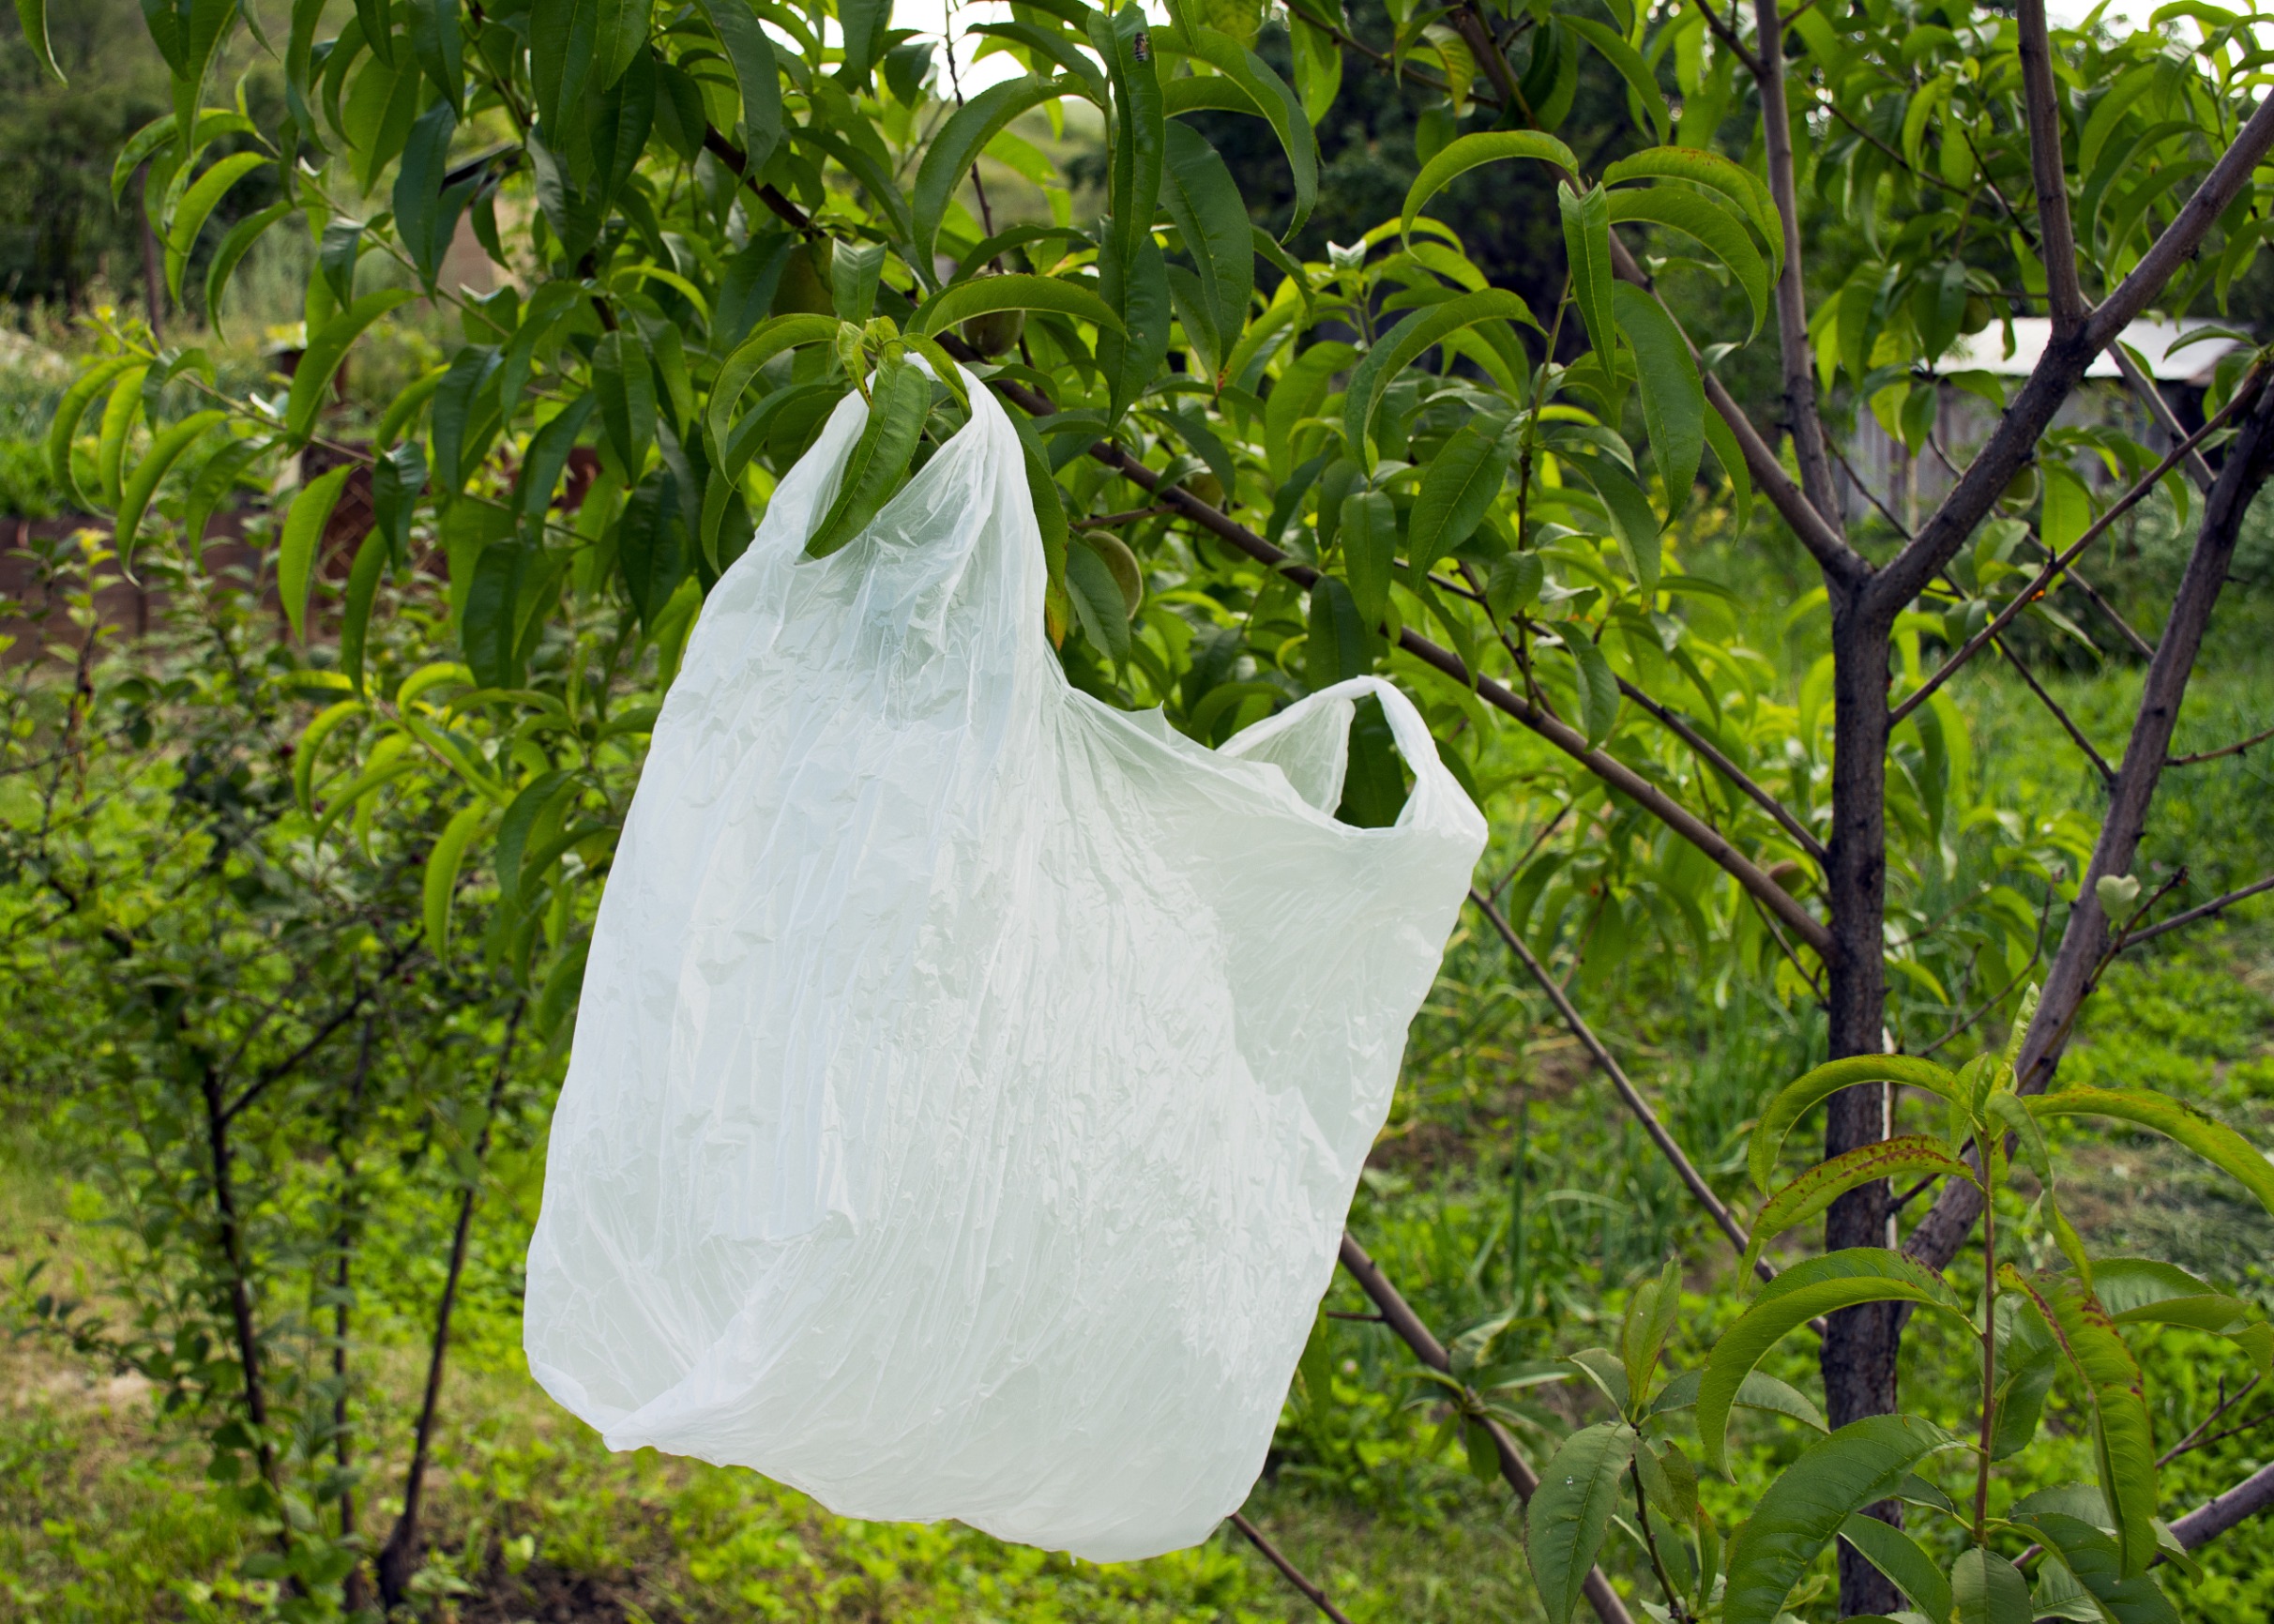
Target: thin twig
<point x="2035" y="589"/>
<point x="1108" y="521"/>
<point x="1760" y="797"/>
<point x="2216" y="905"/>
<point x="2075" y="733"/>
<point x="1292" y="1574"/>
<point x="1992" y="1002"/>
<point x="2204" y="755"/>
<point x="2195" y="1439"/>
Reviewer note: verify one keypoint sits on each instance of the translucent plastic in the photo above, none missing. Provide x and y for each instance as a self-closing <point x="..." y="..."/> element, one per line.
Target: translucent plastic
<point x="971" y="1079"/>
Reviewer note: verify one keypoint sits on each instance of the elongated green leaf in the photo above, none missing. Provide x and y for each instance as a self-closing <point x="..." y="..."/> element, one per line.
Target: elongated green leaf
<point x="425" y="218"/>
<point x="356" y="614"/>
<point x="1623" y="56"/>
<point x="1599" y="695"/>
<point x="304" y="522"/>
<point x="1797" y="1099"/>
<point x="1717" y="173"/>
<point x="196" y="207"/>
<point x="312" y="379"/>
<point x="1458" y="488"/>
<point x="1673" y="397"/>
<point x="219" y="477"/>
<point x="548" y="455"/>
<point x="32" y="14"/>
<point x="1718" y="228"/>
<point x="626" y="385"/>
<point x="1050" y="517"/>
<point x="767" y="339"/>
<point x="1405" y="344"/>
<point x="139" y="487"/>
<point x="1469" y="151"/>
<point x="1587" y="229"/>
<point x="2092" y="1557"/>
<point x="1633" y="521"/>
<point x="2216" y="1142"/>
<point x="984" y="295"/>
<point x="1898" y="1555"/>
<point x="1266" y="93"/>
<point x="1985" y="1589"/>
<point x="900" y="396"/>
<point x="1757" y="1391"/>
<point x="64" y="426"/>
<point x="1203" y="199"/>
<point x="310" y="746"/>
<point x="120" y="412"/>
<point x="1820" y="1186"/>
<point x="1368" y="535"/>
<point x="1823" y="1284"/>
<point x="950" y="154"/>
<point x="1140" y="131"/>
<point x="751" y="54"/>
<point x="1810" y="1501"/>
<point x="1098" y="603"/>
<point x="520" y="822"/>
<point x="231" y="251"/>
<point x="1569" y="1515"/>
<point x="443" y="863"/>
<point x="2123" y="1439"/>
<point x="648" y="547"/>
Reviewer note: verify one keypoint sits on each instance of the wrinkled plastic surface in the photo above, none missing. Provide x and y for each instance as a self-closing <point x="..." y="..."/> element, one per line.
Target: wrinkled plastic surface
<point x="971" y="1079"/>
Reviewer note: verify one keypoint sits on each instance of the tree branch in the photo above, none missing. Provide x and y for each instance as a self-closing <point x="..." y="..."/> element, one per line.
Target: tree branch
<point x="2041" y="105"/>
<point x="1802" y="419"/>
<point x="2131" y="940"/>
<point x="1706" y="749"/>
<point x="2224" y="749"/>
<point x="1431" y="1352"/>
<point x="1288" y="1571"/>
<point x="2160" y="411"/>
<point x="2077" y="962"/>
<point x="2061" y="369"/>
<point x="2076" y="733"/>
<point x="1629" y="1094"/>
<point x="2207" y="1522"/>
<point x="2244" y="395"/>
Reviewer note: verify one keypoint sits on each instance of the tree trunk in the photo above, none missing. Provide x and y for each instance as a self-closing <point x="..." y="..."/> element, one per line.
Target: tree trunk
<point x="1860" y="1344"/>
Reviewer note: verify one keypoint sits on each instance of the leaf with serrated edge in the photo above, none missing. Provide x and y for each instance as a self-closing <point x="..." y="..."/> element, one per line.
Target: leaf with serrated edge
<point x="1799" y="1097"/>
<point x="1800" y="1511"/>
<point x="1823" y="1284"/>
<point x="2215" y="1142"/>
<point x="1825" y="1183"/>
<point x="1488" y="146"/>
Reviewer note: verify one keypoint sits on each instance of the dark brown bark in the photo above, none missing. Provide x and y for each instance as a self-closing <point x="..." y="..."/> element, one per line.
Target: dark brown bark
<point x="399" y="1557"/>
<point x="1860" y="1344"/>
<point x="229" y="1232"/>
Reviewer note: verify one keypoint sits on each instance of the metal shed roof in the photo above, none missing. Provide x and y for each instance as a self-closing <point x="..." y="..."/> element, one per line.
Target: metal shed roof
<point x="1985" y="351"/>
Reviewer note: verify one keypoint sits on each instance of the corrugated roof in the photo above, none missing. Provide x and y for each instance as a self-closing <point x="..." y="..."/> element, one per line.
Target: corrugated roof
<point x="1985" y="351"/>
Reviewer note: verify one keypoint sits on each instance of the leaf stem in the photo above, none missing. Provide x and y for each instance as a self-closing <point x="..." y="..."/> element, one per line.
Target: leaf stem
<point x="1657" y="1563"/>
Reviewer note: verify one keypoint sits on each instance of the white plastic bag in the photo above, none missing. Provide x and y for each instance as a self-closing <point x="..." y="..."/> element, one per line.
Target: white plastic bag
<point x="971" y="1079"/>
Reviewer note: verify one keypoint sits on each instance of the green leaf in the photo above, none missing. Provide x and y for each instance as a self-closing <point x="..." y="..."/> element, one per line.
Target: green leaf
<point x="1674" y="398"/>
<point x="1203" y="199"/>
<point x="1985" y="1589"/>
<point x="984" y="295"/>
<point x="1820" y="1186"/>
<point x="32" y="14"/>
<point x="1811" y="1500"/>
<point x="2092" y="1558"/>
<point x="2123" y="1439"/>
<point x="1368" y="533"/>
<point x="751" y="54"/>
<point x="1716" y="174"/>
<point x="312" y="379"/>
<point x="304" y="522"/>
<point x="548" y="454"/>
<point x="865" y="23"/>
<point x="64" y="427"/>
<point x="119" y="415"/>
<point x="1569" y="1516"/>
<point x="626" y="385"/>
<point x="563" y="984"/>
<point x="1898" y="1555"/>
<point x="310" y="746"/>
<point x="1797" y="1099"/>
<point x="1641" y="81"/>
<point x="1337" y="646"/>
<point x="1405" y="344"/>
<point x="648" y="547"/>
<point x="521" y="820"/>
<point x="1599" y="694"/>
<point x="766" y="340"/>
<point x="355" y="619"/>
<point x="1138" y="130"/>
<point x="1721" y="231"/>
<point x="231" y="251"/>
<point x="1725" y="452"/>
<point x="215" y="483"/>
<point x="2216" y="1142"/>
<point x="137" y="490"/>
<point x="856" y="269"/>
<point x="1586" y="230"/>
<point x="1649" y="1321"/>
<point x="1132" y="356"/>
<point x="1632" y="518"/>
<point x="1757" y="1391"/>
<point x="899" y="397"/>
<point x="438" y="42"/>
<point x="441" y="867"/>
<point x="1049" y="518"/>
<point x="425" y="219"/>
<point x="196" y="207"/>
<point x="949" y="155"/>
<point x="1458" y="488"/>
<point x="1469" y="151"/>
<point x="1824" y="1284"/>
<point x="1268" y="96"/>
